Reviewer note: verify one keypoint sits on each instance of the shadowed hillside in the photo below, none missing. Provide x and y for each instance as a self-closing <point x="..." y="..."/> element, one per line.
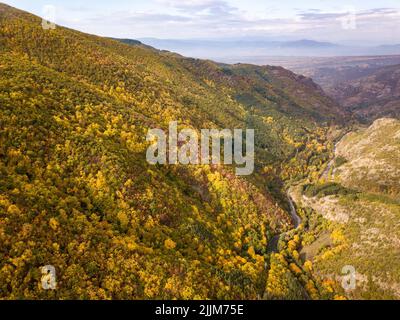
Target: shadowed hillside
<point x="373" y="96"/>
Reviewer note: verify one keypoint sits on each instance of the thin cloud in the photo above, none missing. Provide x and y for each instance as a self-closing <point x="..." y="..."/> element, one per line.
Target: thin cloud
<point x="194" y="6"/>
<point x="219" y="19"/>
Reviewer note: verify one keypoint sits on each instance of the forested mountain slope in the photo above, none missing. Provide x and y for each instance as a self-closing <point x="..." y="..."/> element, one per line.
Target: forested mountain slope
<point x="77" y="192"/>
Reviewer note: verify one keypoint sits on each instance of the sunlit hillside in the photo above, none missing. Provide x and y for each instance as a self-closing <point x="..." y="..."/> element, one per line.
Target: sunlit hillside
<point x="76" y="191"/>
<point x="357" y="202"/>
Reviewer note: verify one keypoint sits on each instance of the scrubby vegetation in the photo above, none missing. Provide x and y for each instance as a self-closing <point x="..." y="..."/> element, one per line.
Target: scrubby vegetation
<point x="339" y="161"/>
<point x="326" y="189"/>
<point x="358" y="207"/>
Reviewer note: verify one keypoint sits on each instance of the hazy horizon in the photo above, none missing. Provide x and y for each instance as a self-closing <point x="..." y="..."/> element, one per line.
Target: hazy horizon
<point x="342" y="22"/>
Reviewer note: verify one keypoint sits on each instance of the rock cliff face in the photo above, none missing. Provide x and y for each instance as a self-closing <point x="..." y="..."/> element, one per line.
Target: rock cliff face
<point x="372" y="156"/>
<point x="360" y="199"/>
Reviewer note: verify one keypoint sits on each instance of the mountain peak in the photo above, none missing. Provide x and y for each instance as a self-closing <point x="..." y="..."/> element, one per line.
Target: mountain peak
<point x="308" y="43"/>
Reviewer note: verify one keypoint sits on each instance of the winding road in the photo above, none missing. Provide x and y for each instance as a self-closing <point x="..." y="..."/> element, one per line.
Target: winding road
<point x="293" y="212"/>
<point x="273" y="244"/>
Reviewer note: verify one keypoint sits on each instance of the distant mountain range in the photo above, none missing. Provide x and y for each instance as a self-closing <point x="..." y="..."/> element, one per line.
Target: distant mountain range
<point x="307" y="44"/>
<point x="252" y="50"/>
<point x="304" y="43"/>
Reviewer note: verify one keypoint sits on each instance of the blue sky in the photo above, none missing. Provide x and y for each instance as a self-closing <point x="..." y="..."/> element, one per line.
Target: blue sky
<point x="342" y="21"/>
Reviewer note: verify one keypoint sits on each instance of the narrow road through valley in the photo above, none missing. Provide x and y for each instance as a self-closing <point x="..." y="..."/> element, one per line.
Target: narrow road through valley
<point x="295" y="217"/>
<point x="273" y="244"/>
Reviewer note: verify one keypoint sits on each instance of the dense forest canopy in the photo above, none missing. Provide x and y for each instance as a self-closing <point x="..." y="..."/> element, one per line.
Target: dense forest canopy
<point x="76" y="191"/>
